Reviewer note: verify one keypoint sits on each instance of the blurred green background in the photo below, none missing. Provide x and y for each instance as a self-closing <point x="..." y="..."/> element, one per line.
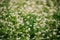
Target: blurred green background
<point x="29" y="19"/>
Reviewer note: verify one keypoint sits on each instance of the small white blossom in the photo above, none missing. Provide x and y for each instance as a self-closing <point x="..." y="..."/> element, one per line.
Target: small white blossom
<point x="54" y="33"/>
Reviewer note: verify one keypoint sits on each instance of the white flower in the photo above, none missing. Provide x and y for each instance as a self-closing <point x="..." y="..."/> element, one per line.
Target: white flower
<point x="40" y="6"/>
<point x="47" y="37"/>
<point x="28" y="17"/>
<point x="21" y="32"/>
<point x="47" y="30"/>
<point x="28" y="29"/>
<point x="45" y="14"/>
<point x="28" y="2"/>
<point x="50" y="35"/>
<point x="38" y="27"/>
<point x="30" y="25"/>
<point x="58" y="35"/>
<point x="54" y="33"/>
<point x="38" y="19"/>
<point x="25" y="5"/>
<point x="30" y="8"/>
<point x="55" y="29"/>
<point x="39" y="32"/>
<point x="18" y="38"/>
<point x="22" y="35"/>
<point x="28" y="35"/>
<point x="27" y="38"/>
<point x="43" y="34"/>
<point x="39" y="14"/>
<point x="33" y="2"/>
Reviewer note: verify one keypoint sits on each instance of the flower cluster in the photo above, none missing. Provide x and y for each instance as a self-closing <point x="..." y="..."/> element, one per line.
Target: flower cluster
<point x="28" y="20"/>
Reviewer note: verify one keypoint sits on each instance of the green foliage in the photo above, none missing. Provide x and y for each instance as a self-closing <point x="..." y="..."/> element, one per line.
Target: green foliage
<point x="29" y="20"/>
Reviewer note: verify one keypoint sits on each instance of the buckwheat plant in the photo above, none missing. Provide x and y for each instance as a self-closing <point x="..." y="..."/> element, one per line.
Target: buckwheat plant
<point x="29" y="20"/>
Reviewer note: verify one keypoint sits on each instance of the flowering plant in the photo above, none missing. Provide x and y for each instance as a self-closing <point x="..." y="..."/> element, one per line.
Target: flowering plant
<point x="29" y="20"/>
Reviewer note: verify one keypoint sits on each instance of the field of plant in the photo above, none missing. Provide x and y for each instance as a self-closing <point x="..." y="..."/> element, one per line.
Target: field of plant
<point x="29" y="19"/>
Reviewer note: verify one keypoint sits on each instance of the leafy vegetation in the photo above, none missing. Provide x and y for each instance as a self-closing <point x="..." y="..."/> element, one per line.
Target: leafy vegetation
<point x="29" y="20"/>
